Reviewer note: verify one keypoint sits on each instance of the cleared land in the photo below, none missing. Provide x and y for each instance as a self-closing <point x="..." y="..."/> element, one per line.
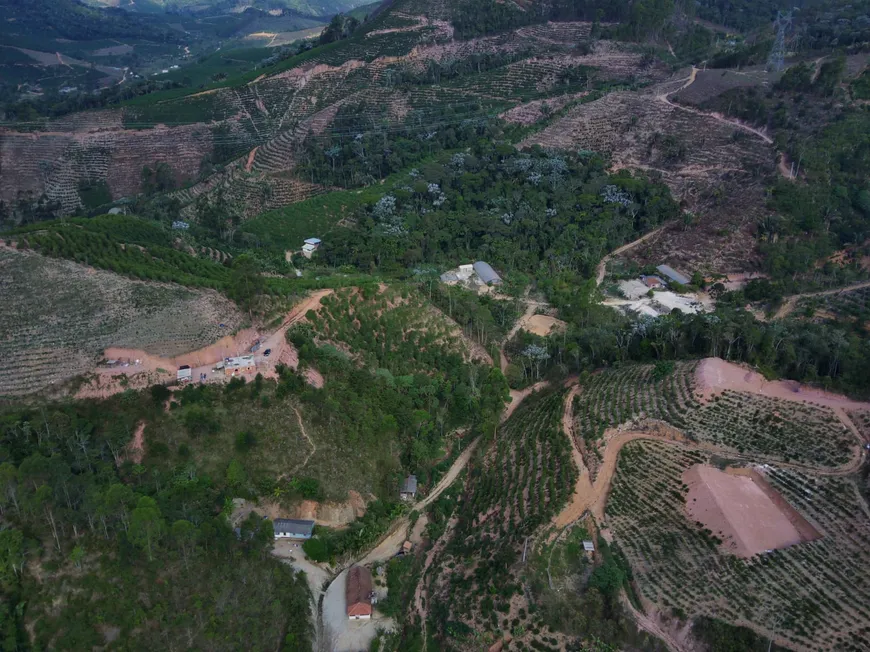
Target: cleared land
<point x="59" y="317"/>
<point x="736" y="509"/>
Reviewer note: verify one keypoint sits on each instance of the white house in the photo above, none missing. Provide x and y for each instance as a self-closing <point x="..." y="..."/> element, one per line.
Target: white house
<point x="292" y="528"/>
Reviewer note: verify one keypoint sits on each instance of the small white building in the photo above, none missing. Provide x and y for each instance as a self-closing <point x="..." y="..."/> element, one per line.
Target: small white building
<point x="292" y="528"/>
<point x="310" y="246"/>
<point x="241" y="364"/>
<point x="184" y="374"/>
<point x="588" y="546"/>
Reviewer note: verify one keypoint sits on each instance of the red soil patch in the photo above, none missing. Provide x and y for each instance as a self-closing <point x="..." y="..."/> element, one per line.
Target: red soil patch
<point x="744" y="511"/>
<point x="714" y="375"/>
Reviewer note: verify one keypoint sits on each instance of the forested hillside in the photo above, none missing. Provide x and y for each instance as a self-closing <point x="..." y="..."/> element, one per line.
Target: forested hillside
<point x="474" y="287"/>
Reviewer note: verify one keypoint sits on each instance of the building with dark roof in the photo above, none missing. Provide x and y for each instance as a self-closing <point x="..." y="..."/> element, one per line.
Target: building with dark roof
<point x="358" y="593"/>
<point x="486" y="273"/>
<point x="409" y="488"/>
<point x="292" y="528"/>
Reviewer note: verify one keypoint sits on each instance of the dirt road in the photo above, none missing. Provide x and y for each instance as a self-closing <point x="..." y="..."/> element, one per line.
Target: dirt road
<point x="601" y="270"/>
<point x="791" y="302"/>
<point x="647" y="624"/>
<point x="665" y="97"/>
<point x="392" y="542"/>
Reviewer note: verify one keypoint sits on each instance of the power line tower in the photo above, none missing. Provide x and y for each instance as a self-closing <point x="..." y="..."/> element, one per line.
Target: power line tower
<point x="782" y="25"/>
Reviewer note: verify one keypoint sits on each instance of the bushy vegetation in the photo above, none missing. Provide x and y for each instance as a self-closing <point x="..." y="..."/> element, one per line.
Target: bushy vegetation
<point x="95" y="548"/>
<point x="549" y="213"/>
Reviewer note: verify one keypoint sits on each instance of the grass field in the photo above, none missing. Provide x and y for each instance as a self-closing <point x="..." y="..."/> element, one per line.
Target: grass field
<point x="286" y="228"/>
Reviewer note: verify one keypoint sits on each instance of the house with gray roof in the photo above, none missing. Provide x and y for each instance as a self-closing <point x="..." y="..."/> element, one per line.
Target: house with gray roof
<point x="409" y="488"/>
<point x="292" y="528"/>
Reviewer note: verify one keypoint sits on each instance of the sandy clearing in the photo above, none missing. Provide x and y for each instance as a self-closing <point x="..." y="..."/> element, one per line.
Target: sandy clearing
<point x="714" y="375"/>
<point x="544" y="325"/>
<point x="738" y="511"/>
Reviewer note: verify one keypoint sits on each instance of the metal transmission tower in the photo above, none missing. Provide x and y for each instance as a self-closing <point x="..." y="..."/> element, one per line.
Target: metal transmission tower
<point x="782" y="25"/>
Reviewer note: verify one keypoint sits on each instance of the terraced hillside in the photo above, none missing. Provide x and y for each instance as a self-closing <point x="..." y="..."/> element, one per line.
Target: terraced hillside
<point x="59" y="316"/>
<point x="406" y="67"/>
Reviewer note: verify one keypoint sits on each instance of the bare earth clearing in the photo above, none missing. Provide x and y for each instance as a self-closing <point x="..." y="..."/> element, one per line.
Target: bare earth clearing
<point x="145" y="368"/>
<point x="738" y="511"/>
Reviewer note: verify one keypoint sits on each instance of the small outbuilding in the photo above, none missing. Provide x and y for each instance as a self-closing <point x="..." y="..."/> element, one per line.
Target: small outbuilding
<point x="409" y="488"/>
<point x="486" y="273"/>
<point x="358" y="593"/>
<point x="241" y="364"/>
<point x="310" y="246"/>
<point x="588" y="546"/>
<point x="184" y="374"/>
<point x="652" y="282"/>
<point x="292" y="528"/>
<point x="673" y="275"/>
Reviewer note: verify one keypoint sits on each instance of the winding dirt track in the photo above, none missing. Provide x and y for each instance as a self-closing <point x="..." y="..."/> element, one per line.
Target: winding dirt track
<point x="791" y="302"/>
<point x="593" y="496"/>
<point x="663" y="97"/>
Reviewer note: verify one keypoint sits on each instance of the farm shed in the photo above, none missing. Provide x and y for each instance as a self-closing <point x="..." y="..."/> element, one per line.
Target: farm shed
<point x="409" y="488"/>
<point x="588" y="546"/>
<point x="358" y="593"/>
<point x="673" y="275"/>
<point x="184" y="374"/>
<point x="486" y="273"/>
<point x="241" y="364"/>
<point x="310" y="246"/>
<point x="292" y="528"/>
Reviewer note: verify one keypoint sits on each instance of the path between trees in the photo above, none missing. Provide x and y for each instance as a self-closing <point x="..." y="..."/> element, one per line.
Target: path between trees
<point x="311" y="443"/>
<point x="791" y="302"/>
<point x="664" y="97"/>
<point x="601" y="270"/>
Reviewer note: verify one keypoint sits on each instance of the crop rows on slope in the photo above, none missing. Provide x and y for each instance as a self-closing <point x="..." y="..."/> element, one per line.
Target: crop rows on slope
<point x="58" y="317"/>
<point x="816" y="594"/>
<point x="525" y="477"/>
<point x="529" y="473"/>
<point x="771" y="428"/>
<point x="394" y="330"/>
